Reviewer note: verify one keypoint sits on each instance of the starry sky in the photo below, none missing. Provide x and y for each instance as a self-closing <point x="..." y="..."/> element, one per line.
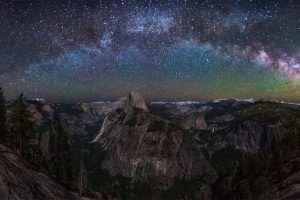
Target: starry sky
<point x="89" y="50"/>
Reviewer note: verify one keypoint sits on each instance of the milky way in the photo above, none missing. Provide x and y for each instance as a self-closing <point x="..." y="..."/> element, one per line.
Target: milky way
<point x="166" y="50"/>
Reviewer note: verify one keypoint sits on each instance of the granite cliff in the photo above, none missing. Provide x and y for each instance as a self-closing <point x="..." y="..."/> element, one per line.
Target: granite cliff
<point x="174" y="148"/>
<point x="148" y="148"/>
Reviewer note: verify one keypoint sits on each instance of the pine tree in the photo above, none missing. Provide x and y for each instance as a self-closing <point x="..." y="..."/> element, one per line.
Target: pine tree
<point x="82" y="178"/>
<point x="20" y="128"/>
<point x="62" y="163"/>
<point x="2" y="116"/>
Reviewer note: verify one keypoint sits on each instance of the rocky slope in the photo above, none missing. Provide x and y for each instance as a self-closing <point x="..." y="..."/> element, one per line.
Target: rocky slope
<point x="286" y="180"/>
<point x="149" y="149"/>
<point x="19" y="180"/>
<point x="163" y="142"/>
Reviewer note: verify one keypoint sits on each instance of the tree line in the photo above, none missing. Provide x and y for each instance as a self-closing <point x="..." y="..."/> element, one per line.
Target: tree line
<point x="18" y="133"/>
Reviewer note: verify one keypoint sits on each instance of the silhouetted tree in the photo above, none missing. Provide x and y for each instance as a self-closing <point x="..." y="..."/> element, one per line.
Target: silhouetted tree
<point x="82" y="178"/>
<point x="62" y="163"/>
<point x="20" y="128"/>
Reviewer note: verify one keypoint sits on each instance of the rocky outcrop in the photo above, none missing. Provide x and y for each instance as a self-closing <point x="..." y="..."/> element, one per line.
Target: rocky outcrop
<point x="251" y="136"/>
<point x="200" y="122"/>
<point x="149" y="149"/>
<point x="45" y="142"/>
<point x="47" y="108"/>
<point x="37" y="117"/>
<point x="194" y="121"/>
<point x="135" y="101"/>
<point x="18" y="180"/>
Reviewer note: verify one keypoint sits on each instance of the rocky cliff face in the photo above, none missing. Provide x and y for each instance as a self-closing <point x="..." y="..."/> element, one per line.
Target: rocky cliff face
<point x="18" y="180"/>
<point x="251" y="136"/>
<point x="148" y="148"/>
<point x="135" y="101"/>
<point x="243" y="125"/>
<point x="159" y="143"/>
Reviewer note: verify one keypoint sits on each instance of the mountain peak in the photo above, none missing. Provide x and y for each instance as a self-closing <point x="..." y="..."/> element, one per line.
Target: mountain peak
<point x="135" y="101"/>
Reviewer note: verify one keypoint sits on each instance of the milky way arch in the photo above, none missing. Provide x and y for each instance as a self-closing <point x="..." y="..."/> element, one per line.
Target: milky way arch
<point x="183" y="50"/>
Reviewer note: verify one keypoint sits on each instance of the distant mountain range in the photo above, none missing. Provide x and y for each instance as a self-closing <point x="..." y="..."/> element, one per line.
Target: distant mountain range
<point x="178" y="150"/>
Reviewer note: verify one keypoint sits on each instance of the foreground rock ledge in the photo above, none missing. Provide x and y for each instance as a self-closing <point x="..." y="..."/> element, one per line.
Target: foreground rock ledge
<point x="18" y="180"/>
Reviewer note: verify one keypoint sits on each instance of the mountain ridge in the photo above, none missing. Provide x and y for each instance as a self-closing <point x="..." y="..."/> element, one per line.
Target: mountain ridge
<point x="127" y="146"/>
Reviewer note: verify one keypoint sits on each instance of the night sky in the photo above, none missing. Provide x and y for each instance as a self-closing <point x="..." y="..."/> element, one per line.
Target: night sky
<point x="92" y="50"/>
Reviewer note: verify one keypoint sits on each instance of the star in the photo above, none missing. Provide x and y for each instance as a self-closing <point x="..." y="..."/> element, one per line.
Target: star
<point x="91" y="50"/>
